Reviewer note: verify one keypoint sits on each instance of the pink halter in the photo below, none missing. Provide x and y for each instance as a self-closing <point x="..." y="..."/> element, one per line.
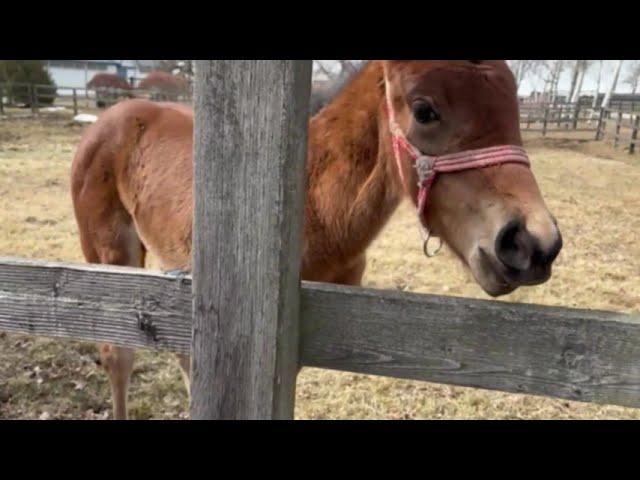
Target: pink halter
<point x="429" y="166"/>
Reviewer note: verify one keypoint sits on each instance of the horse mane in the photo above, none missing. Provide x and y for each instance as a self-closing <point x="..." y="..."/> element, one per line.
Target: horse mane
<point x="323" y="96"/>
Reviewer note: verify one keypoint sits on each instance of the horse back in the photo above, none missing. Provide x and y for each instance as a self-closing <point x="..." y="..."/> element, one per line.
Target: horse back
<point x="137" y="158"/>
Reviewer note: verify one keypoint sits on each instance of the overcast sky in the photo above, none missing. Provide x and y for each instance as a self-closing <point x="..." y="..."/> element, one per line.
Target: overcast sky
<point x="532" y="82"/>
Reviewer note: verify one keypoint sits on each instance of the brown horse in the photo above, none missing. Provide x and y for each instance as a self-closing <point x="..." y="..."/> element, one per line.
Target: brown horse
<point x="132" y="182"/>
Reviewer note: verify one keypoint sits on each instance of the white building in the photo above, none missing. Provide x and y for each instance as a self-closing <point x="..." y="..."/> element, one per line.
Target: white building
<point x="77" y="73"/>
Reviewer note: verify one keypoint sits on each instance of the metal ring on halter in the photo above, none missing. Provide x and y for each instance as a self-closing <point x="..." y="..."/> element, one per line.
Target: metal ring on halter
<point x="425" y="246"/>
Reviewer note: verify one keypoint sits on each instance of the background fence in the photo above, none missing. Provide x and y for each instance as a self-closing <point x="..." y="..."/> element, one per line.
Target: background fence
<point x="15" y="98"/>
<point x="549" y="117"/>
<point x="625" y="125"/>
<point x="619" y="123"/>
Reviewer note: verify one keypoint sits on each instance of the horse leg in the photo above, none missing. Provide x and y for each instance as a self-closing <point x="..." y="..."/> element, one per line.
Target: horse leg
<point x="113" y="240"/>
<point x="118" y="363"/>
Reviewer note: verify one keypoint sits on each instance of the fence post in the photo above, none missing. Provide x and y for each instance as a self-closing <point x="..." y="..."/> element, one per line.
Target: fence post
<point x="616" y="138"/>
<point x="576" y="114"/>
<point x="34" y="99"/>
<point x="544" y="121"/>
<point x="559" y="112"/>
<point x="249" y="147"/>
<point x="75" y="102"/>
<point x="600" y="127"/>
<point x="634" y="134"/>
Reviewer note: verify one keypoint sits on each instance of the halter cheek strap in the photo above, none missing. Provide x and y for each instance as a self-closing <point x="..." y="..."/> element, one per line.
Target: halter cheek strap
<point x="429" y="166"/>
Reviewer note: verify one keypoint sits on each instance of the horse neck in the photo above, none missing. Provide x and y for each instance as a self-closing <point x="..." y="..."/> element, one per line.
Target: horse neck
<point x="354" y="186"/>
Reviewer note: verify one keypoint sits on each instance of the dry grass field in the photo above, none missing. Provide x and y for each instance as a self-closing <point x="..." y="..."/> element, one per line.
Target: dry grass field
<point x="592" y="189"/>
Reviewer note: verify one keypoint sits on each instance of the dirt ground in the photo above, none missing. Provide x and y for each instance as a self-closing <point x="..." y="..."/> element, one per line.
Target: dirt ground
<point x="592" y="189"/>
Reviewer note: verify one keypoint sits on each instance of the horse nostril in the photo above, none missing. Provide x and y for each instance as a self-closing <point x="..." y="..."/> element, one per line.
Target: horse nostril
<point x="514" y="245"/>
<point x="544" y="258"/>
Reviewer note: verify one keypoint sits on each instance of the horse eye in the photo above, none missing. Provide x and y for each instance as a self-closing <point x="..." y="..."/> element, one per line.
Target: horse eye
<point x="424" y="113"/>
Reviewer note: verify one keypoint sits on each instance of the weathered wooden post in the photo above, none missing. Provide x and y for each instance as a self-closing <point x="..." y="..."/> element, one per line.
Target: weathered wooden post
<point x="559" y="113"/>
<point x="75" y="102"/>
<point x="616" y="139"/>
<point x="250" y="147"/>
<point x="576" y="115"/>
<point x="600" y="129"/>
<point x="34" y="99"/>
<point x="634" y="134"/>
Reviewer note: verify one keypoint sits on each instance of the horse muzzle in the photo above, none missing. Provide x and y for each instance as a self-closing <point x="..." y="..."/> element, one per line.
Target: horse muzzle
<point x="518" y="258"/>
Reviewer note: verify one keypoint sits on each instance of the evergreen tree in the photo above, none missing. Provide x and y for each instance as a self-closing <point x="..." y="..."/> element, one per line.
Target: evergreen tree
<point x="16" y="73"/>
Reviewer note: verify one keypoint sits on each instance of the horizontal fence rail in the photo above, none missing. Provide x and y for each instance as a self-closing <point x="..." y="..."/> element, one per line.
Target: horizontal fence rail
<point x="120" y="305"/>
<point x="547" y="118"/>
<point x="575" y="354"/>
<point x="626" y="105"/>
<point x="620" y="122"/>
<point x="625" y="125"/>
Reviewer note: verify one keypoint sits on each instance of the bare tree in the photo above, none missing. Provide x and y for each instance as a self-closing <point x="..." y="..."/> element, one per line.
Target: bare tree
<point x="549" y="71"/>
<point x="539" y="70"/>
<point x="583" y="66"/>
<point x="337" y="73"/>
<point x="521" y="68"/>
<point x="614" y="83"/>
<point x="577" y="66"/>
<point x="597" y="94"/>
<point x="633" y="76"/>
<point x="559" y="66"/>
<point x="334" y="70"/>
<point x="319" y="67"/>
<point x="349" y="67"/>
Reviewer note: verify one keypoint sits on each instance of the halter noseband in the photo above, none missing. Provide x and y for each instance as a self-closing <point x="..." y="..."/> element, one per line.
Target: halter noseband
<point x="429" y="166"/>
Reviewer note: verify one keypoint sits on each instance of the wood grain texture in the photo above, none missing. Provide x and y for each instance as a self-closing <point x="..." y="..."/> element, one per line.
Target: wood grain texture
<point x="574" y="354"/>
<point x="249" y="149"/>
<point x="119" y="305"/>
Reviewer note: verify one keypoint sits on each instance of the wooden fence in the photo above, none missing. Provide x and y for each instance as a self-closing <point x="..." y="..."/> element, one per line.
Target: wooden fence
<point x="626" y="124"/>
<point x="33" y="97"/>
<point x="560" y="117"/>
<point x="248" y="321"/>
<point x="620" y="123"/>
<point x="39" y="99"/>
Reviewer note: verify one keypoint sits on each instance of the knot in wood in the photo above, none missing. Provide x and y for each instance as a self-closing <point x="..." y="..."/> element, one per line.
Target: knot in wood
<point x="145" y="323"/>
